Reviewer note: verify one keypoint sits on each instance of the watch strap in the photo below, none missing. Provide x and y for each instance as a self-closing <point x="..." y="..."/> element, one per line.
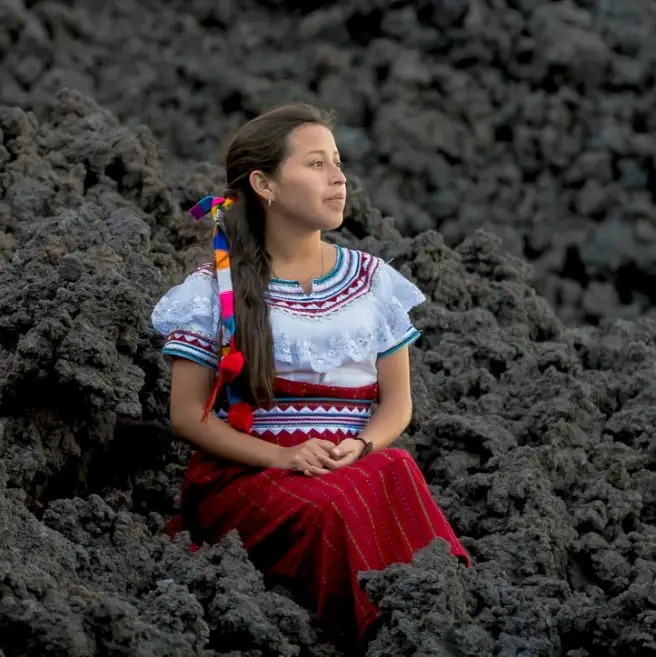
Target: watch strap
<point x="367" y="446"/>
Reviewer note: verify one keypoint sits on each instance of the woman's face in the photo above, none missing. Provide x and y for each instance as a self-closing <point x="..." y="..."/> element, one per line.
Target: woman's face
<point x="310" y="187"/>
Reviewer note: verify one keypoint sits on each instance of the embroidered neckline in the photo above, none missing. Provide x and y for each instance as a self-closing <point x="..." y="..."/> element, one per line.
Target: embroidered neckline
<point x="292" y="286"/>
<point x="353" y="280"/>
<point x="347" y="266"/>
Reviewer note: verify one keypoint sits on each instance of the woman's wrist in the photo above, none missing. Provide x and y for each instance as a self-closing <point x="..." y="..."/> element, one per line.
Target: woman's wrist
<point x="367" y="445"/>
<point x="272" y="454"/>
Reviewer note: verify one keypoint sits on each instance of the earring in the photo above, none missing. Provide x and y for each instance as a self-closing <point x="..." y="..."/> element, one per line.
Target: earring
<point x="269" y="202"/>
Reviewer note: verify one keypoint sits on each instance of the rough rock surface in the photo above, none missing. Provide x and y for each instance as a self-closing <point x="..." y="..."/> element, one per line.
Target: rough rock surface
<point x="537" y="439"/>
<point x="531" y="119"/>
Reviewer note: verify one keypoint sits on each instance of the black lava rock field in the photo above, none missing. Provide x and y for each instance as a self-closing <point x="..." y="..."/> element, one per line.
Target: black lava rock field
<point x="501" y="153"/>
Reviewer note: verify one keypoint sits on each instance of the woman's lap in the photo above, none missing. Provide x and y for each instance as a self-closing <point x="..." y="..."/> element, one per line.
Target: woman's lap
<point x="376" y="498"/>
<point x="279" y="494"/>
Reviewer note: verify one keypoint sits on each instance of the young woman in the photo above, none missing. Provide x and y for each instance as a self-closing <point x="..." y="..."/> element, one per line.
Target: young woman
<point x="281" y="349"/>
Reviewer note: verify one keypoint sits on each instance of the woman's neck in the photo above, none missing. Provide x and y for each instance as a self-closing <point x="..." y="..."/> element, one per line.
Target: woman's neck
<point x="293" y="248"/>
<point x="301" y="260"/>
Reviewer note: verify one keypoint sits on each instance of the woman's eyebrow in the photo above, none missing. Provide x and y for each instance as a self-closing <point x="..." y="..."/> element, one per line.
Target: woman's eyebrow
<point x="321" y="151"/>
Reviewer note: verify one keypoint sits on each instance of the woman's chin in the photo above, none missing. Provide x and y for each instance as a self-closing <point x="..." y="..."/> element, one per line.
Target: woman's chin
<point x="325" y="220"/>
<point x="332" y="220"/>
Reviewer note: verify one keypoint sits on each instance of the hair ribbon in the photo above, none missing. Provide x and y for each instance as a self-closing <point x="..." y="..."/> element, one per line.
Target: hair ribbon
<point x="231" y="360"/>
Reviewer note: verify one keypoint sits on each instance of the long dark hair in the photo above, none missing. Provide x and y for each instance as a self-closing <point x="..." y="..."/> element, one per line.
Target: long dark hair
<point x="262" y="144"/>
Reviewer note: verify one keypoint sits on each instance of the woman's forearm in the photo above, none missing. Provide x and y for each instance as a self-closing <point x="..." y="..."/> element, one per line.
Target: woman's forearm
<point x="219" y="439"/>
<point x="388" y="422"/>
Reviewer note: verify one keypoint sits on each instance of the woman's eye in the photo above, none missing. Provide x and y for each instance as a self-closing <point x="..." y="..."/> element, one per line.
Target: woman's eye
<point x="318" y="163"/>
<point x="338" y="165"/>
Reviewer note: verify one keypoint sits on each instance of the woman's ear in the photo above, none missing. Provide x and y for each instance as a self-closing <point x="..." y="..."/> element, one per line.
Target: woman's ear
<point x="261" y="186"/>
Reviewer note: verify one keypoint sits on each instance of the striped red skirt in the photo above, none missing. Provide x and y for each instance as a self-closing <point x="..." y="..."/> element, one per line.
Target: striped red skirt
<point x="315" y="534"/>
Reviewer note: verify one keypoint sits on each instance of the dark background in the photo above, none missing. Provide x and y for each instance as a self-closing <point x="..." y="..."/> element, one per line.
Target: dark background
<point x="500" y="154"/>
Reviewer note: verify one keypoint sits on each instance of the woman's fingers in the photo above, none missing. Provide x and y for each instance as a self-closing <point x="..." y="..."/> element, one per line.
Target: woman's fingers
<point x="327" y="462"/>
<point x="310" y="460"/>
<point x="326" y="445"/>
<point x="313" y="471"/>
<point x="325" y="459"/>
<point x="314" y="458"/>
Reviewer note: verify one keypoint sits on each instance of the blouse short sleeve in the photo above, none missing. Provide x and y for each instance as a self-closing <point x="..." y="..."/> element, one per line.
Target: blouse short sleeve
<point x="396" y="296"/>
<point x="188" y="317"/>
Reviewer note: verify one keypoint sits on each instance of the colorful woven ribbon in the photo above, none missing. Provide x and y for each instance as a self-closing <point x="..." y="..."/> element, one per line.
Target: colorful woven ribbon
<point x="231" y="361"/>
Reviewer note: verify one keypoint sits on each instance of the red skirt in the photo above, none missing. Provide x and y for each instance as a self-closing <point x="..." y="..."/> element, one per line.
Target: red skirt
<point x="315" y="534"/>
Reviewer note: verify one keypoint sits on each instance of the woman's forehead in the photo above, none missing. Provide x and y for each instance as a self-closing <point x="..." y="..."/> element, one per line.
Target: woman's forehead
<point x="312" y="139"/>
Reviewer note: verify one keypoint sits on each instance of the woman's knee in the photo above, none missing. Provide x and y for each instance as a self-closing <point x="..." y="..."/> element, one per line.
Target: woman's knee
<point x="399" y="454"/>
<point x="399" y="460"/>
<point x="395" y="457"/>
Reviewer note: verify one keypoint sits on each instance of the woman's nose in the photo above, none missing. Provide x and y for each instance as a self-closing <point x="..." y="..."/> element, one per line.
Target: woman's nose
<point x="339" y="176"/>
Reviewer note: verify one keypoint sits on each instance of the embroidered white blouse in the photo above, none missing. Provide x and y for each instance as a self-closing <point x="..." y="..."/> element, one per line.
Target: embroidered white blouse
<point x="354" y="315"/>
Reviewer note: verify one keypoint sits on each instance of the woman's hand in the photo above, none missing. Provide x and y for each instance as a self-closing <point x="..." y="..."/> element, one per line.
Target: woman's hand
<point x="347" y="452"/>
<point x="311" y="457"/>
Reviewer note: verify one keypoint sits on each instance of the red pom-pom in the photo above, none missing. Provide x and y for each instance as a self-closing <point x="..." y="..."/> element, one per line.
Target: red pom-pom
<point x="231" y="365"/>
<point x="240" y="417"/>
<point x="174" y="526"/>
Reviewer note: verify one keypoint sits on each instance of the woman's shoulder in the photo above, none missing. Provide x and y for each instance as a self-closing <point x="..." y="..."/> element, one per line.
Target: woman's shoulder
<point x="380" y="277"/>
<point x="200" y="281"/>
<point x="190" y="305"/>
<point x="356" y="265"/>
<point x="204" y="271"/>
<point x="359" y="255"/>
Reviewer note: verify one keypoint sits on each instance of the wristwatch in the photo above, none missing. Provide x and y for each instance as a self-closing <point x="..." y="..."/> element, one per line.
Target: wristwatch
<point x="368" y="446"/>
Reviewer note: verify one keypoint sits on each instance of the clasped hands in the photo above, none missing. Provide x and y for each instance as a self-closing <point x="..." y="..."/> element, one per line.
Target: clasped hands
<point x="317" y="457"/>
